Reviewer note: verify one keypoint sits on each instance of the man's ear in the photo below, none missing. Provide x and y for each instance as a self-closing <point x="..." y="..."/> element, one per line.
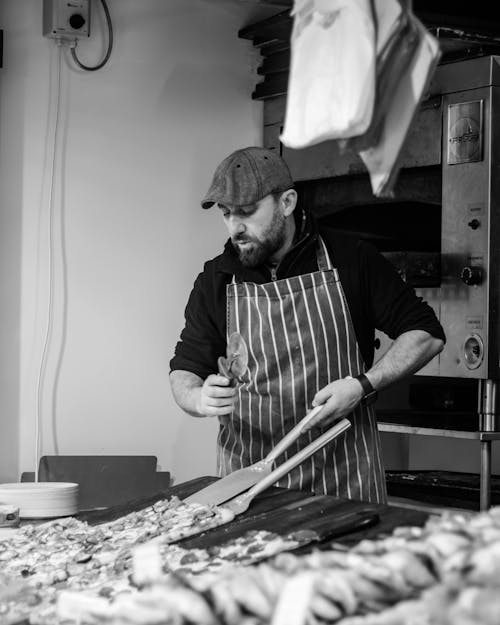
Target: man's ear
<point x="289" y="200"/>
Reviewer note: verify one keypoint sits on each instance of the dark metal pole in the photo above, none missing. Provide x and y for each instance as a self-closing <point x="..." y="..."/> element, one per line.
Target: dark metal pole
<point x="487" y="401"/>
<point x="485" y="476"/>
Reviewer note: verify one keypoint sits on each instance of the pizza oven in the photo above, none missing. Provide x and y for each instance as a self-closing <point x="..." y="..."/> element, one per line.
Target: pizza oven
<point x="441" y="228"/>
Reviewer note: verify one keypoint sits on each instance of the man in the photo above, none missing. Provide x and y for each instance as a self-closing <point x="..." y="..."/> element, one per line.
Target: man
<point x="306" y="300"/>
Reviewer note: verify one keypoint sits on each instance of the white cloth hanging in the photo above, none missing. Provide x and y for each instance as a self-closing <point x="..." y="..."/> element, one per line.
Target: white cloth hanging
<point x="331" y="88"/>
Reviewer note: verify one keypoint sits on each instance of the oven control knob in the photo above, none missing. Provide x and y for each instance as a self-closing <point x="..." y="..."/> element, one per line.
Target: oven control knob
<point x="472" y="275"/>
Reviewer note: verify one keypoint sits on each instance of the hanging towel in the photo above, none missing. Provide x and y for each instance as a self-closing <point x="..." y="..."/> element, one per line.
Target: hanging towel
<point x="331" y="87"/>
<point x="403" y="83"/>
<point x="397" y="43"/>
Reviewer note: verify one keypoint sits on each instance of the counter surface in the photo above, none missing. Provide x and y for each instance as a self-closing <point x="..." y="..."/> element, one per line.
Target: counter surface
<point x="269" y="511"/>
<point x="280" y="511"/>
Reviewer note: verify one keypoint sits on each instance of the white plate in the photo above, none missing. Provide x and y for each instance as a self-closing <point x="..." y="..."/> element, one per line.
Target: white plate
<point x="29" y="513"/>
<point x="41" y="499"/>
<point x="43" y="487"/>
<point x="28" y="497"/>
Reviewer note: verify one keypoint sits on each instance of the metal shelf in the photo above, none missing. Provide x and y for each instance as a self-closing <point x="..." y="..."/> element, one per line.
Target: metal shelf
<point x="486" y="415"/>
<point x="410" y="429"/>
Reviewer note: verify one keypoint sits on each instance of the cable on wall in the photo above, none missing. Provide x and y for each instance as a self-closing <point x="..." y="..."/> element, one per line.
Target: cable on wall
<point x="50" y="304"/>
<point x="93" y="68"/>
<point x="55" y="21"/>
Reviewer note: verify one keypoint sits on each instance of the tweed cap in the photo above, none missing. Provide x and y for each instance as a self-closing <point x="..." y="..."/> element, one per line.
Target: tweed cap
<point x="246" y="176"/>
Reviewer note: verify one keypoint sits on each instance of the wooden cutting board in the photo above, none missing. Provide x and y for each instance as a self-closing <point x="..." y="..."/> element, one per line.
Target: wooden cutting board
<point x="327" y="517"/>
<point x="268" y="511"/>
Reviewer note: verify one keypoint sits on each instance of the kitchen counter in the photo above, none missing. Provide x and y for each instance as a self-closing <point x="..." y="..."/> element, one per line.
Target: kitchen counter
<point x="282" y="512"/>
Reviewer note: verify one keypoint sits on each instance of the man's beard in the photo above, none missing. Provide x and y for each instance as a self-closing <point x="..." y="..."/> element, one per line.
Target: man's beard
<point x="258" y="251"/>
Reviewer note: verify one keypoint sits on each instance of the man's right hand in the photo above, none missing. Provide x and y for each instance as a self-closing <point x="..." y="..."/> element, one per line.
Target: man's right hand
<point x="213" y="397"/>
<point x="216" y="397"/>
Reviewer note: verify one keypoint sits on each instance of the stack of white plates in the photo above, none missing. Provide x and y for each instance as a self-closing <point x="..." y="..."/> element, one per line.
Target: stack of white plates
<point x="37" y="500"/>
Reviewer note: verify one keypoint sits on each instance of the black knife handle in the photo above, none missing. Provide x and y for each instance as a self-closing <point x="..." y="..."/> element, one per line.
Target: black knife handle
<point x="328" y="528"/>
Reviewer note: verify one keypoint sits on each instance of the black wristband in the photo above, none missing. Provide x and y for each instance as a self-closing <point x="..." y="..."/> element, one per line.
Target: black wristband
<point x="370" y="394"/>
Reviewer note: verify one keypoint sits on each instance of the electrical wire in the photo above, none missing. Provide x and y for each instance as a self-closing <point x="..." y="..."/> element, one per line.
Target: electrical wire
<point x="50" y="308"/>
<point x="63" y="324"/>
<point x="42" y="372"/>
<point x="110" y="44"/>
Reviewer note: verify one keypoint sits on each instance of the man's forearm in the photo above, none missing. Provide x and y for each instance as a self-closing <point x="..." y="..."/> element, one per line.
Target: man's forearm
<point x="409" y="353"/>
<point x="186" y="388"/>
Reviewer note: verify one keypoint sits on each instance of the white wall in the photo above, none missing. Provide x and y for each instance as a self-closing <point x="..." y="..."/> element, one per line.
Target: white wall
<point x="10" y="281"/>
<point x="136" y="145"/>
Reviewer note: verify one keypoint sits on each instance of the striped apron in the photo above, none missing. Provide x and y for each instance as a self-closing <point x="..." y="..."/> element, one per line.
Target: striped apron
<point x="300" y="337"/>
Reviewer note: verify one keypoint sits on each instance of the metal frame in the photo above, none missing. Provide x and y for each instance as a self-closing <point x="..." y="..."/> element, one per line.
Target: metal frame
<point x="488" y="423"/>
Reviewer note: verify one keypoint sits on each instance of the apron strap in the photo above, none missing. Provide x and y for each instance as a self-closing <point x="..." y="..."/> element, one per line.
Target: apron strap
<point x="324" y="262"/>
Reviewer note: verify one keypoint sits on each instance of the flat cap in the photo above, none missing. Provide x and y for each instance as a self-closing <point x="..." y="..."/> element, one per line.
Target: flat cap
<point x="246" y="176"/>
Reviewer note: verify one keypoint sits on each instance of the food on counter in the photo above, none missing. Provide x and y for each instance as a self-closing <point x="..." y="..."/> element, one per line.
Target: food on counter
<point x="446" y="573"/>
<point x="253" y="546"/>
<point x="68" y="554"/>
<point x="59" y="549"/>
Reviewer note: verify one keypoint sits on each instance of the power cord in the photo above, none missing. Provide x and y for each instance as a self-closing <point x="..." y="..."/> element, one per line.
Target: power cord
<point x="51" y="162"/>
<point x="110" y="44"/>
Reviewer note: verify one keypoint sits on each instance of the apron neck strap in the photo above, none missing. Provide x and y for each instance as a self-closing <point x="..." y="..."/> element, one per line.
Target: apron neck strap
<point x="324" y="262"/>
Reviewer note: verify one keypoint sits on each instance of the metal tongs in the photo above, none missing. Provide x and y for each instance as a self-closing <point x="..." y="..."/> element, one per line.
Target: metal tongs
<point x="261" y="473"/>
<point x="240" y="503"/>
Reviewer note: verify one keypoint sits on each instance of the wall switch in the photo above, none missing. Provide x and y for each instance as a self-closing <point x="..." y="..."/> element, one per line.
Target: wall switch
<point x="66" y="19"/>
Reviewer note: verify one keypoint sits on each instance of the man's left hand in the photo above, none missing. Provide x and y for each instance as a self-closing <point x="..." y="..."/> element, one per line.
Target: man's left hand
<point x="339" y="398"/>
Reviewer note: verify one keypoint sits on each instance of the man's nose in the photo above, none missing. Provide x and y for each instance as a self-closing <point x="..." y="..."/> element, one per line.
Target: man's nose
<point x="236" y="226"/>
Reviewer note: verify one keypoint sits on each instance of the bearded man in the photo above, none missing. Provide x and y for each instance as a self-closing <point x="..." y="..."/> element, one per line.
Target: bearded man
<point x="306" y="301"/>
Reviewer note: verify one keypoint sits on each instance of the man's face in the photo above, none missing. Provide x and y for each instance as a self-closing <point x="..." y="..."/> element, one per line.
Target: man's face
<point x="257" y="231"/>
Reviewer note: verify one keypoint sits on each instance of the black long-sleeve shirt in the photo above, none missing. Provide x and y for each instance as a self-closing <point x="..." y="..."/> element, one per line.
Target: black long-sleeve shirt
<point x="376" y="296"/>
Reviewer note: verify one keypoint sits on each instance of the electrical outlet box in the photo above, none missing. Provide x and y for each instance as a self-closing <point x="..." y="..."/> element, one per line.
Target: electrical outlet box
<point x="66" y="19"/>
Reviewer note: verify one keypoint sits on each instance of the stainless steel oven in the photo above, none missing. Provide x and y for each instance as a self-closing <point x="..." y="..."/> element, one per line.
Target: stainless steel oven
<point x="442" y="227"/>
